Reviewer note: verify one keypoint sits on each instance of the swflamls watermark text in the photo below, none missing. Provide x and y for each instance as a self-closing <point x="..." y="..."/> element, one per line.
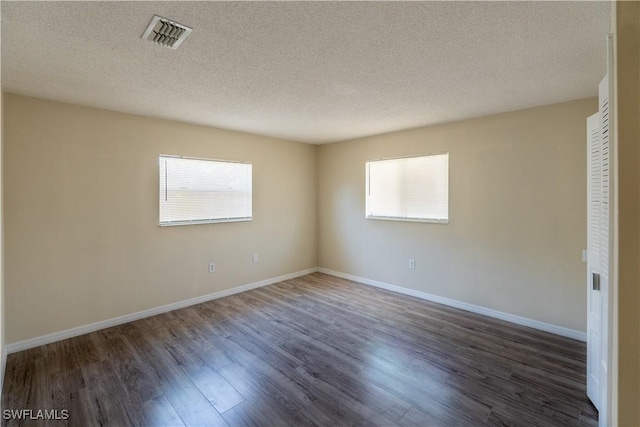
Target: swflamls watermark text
<point x="35" y="414"/>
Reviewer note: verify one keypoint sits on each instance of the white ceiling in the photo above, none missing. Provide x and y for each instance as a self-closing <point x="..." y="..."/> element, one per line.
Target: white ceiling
<point x="315" y="72"/>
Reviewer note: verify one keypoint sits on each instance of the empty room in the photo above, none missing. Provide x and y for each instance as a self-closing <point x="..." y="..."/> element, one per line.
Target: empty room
<point x="320" y="213"/>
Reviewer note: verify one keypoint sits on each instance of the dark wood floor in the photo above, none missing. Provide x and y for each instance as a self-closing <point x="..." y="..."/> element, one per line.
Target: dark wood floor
<point x="317" y="350"/>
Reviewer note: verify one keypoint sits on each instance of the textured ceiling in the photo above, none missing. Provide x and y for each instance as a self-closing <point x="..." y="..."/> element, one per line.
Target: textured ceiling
<point x="308" y="71"/>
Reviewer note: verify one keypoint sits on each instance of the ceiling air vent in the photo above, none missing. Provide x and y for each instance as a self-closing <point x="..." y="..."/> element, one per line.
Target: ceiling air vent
<point x="166" y="32"/>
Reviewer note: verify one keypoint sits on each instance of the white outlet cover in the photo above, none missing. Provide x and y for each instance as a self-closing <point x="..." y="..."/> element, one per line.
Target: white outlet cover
<point x="256" y="258"/>
<point x="212" y="267"/>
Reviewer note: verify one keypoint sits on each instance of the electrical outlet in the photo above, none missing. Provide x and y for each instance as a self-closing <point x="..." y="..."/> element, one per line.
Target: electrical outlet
<point x="255" y="257"/>
<point x="412" y="263"/>
<point x="212" y="267"/>
<point x="585" y="255"/>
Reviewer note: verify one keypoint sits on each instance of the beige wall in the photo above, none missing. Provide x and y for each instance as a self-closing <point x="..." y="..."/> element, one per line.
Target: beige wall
<point x="627" y="41"/>
<point x="3" y="352"/>
<point x="517" y="213"/>
<point x="81" y="212"/>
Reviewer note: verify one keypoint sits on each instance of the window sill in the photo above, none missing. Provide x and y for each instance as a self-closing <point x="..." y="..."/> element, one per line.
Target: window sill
<point x="204" y="221"/>
<point x="393" y="218"/>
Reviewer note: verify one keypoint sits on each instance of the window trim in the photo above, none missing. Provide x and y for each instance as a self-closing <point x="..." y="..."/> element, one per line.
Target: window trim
<point x="202" y="221"/>
<point x="408" y="219"/>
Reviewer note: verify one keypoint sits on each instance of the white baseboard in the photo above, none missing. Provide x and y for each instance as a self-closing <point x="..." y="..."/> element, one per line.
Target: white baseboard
<point x="81" y="330"/>
<point x="524" y="321"/>
<point x="92" y="327"/>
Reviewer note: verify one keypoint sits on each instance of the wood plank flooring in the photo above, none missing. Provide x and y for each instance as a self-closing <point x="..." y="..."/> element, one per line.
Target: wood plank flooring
<point x="317" y="350"/>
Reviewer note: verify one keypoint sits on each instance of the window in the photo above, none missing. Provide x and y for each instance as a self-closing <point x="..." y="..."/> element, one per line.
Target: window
<point x="409" y="188"/>
<point x="197" y="191"/>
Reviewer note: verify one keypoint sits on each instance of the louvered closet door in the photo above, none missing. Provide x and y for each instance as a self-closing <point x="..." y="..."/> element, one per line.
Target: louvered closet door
<point x="594" y="203"/>
<point x="605" y="233"/>
<point x="599" y="200"/>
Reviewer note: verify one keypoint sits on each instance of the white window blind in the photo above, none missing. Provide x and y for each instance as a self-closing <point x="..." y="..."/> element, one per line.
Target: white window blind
<point x="196" y="191"/>
<point x="410" y="188"/>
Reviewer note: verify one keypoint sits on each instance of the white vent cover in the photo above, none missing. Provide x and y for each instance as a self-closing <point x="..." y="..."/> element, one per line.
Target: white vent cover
<point x="166" y="32"/>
